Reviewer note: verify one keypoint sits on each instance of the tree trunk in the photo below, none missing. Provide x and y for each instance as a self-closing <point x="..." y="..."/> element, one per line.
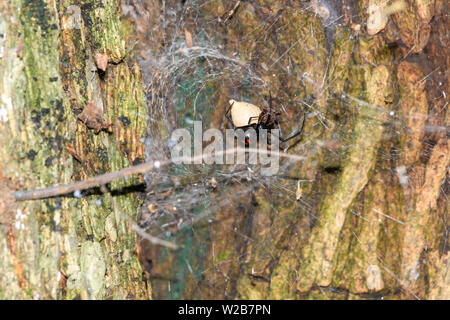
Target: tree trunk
<point x="372" y="218"/>
<point x="64" y="119"/>
<point x="365" y="215"/>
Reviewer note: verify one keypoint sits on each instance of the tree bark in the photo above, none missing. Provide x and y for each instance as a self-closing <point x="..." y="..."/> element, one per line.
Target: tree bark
<point x="373" y="221"/>
<point x="81" y="245"/>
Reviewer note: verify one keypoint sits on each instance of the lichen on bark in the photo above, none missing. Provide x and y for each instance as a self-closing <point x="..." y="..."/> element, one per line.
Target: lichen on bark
<point x="70" y="247"/>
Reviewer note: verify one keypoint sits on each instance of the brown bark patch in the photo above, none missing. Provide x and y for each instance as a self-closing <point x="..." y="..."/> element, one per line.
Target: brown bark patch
<point x="101" y="60"/>
<point x="92" y="117"/>
<point x="8" y="204"/>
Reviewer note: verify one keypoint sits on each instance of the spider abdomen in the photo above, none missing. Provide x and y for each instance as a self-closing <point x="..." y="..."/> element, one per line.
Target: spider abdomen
<point x="243" y="113"/>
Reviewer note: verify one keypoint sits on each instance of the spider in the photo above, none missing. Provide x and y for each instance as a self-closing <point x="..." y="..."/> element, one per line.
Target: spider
<point x="246" y="115"/>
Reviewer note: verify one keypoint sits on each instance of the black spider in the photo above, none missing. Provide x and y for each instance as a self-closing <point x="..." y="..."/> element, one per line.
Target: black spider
<point x="250" y="116"/>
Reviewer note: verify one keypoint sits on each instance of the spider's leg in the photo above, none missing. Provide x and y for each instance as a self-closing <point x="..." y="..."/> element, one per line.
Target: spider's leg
<point x="270" y="102"/>
<point x="228" y="117"/>
<point x="253" y="126"/>
<point x="251" y="119"/>
<point x="295" y="134"/>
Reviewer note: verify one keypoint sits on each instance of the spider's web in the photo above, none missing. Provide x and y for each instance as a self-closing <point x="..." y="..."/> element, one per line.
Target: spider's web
<point x="187" y="82"/>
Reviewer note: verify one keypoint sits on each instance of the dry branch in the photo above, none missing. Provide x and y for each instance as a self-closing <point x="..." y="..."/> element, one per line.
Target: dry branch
<point x="103" y="179"/>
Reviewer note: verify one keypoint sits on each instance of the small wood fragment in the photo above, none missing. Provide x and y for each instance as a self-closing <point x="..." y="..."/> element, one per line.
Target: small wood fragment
<point x="101" y="60"/>
<point x="299" y="192"/>
<point x="213" y="182"/>
<point x="70" y="148"/>
<point x="188" y="37"/>
<point x="230" y="13"/>
<point x="92" y="117"/>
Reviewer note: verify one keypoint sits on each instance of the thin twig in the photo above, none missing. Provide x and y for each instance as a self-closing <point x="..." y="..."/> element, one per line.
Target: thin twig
<point x="230" y="13"/>
<point x="141" y="232"/>
<point x="103" y="179"/>
<point x="388" y="216"/>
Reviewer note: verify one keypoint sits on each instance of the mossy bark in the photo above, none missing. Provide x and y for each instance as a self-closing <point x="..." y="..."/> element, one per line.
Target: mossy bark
<point x="65" y="247"/>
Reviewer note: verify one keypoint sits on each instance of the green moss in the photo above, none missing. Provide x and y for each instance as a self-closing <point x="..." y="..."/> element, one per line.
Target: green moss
<point x="44" y="121"/>
<point x="319" y="257"/>
<point x="222" y="256"/>
<point x="92" y="268"/>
